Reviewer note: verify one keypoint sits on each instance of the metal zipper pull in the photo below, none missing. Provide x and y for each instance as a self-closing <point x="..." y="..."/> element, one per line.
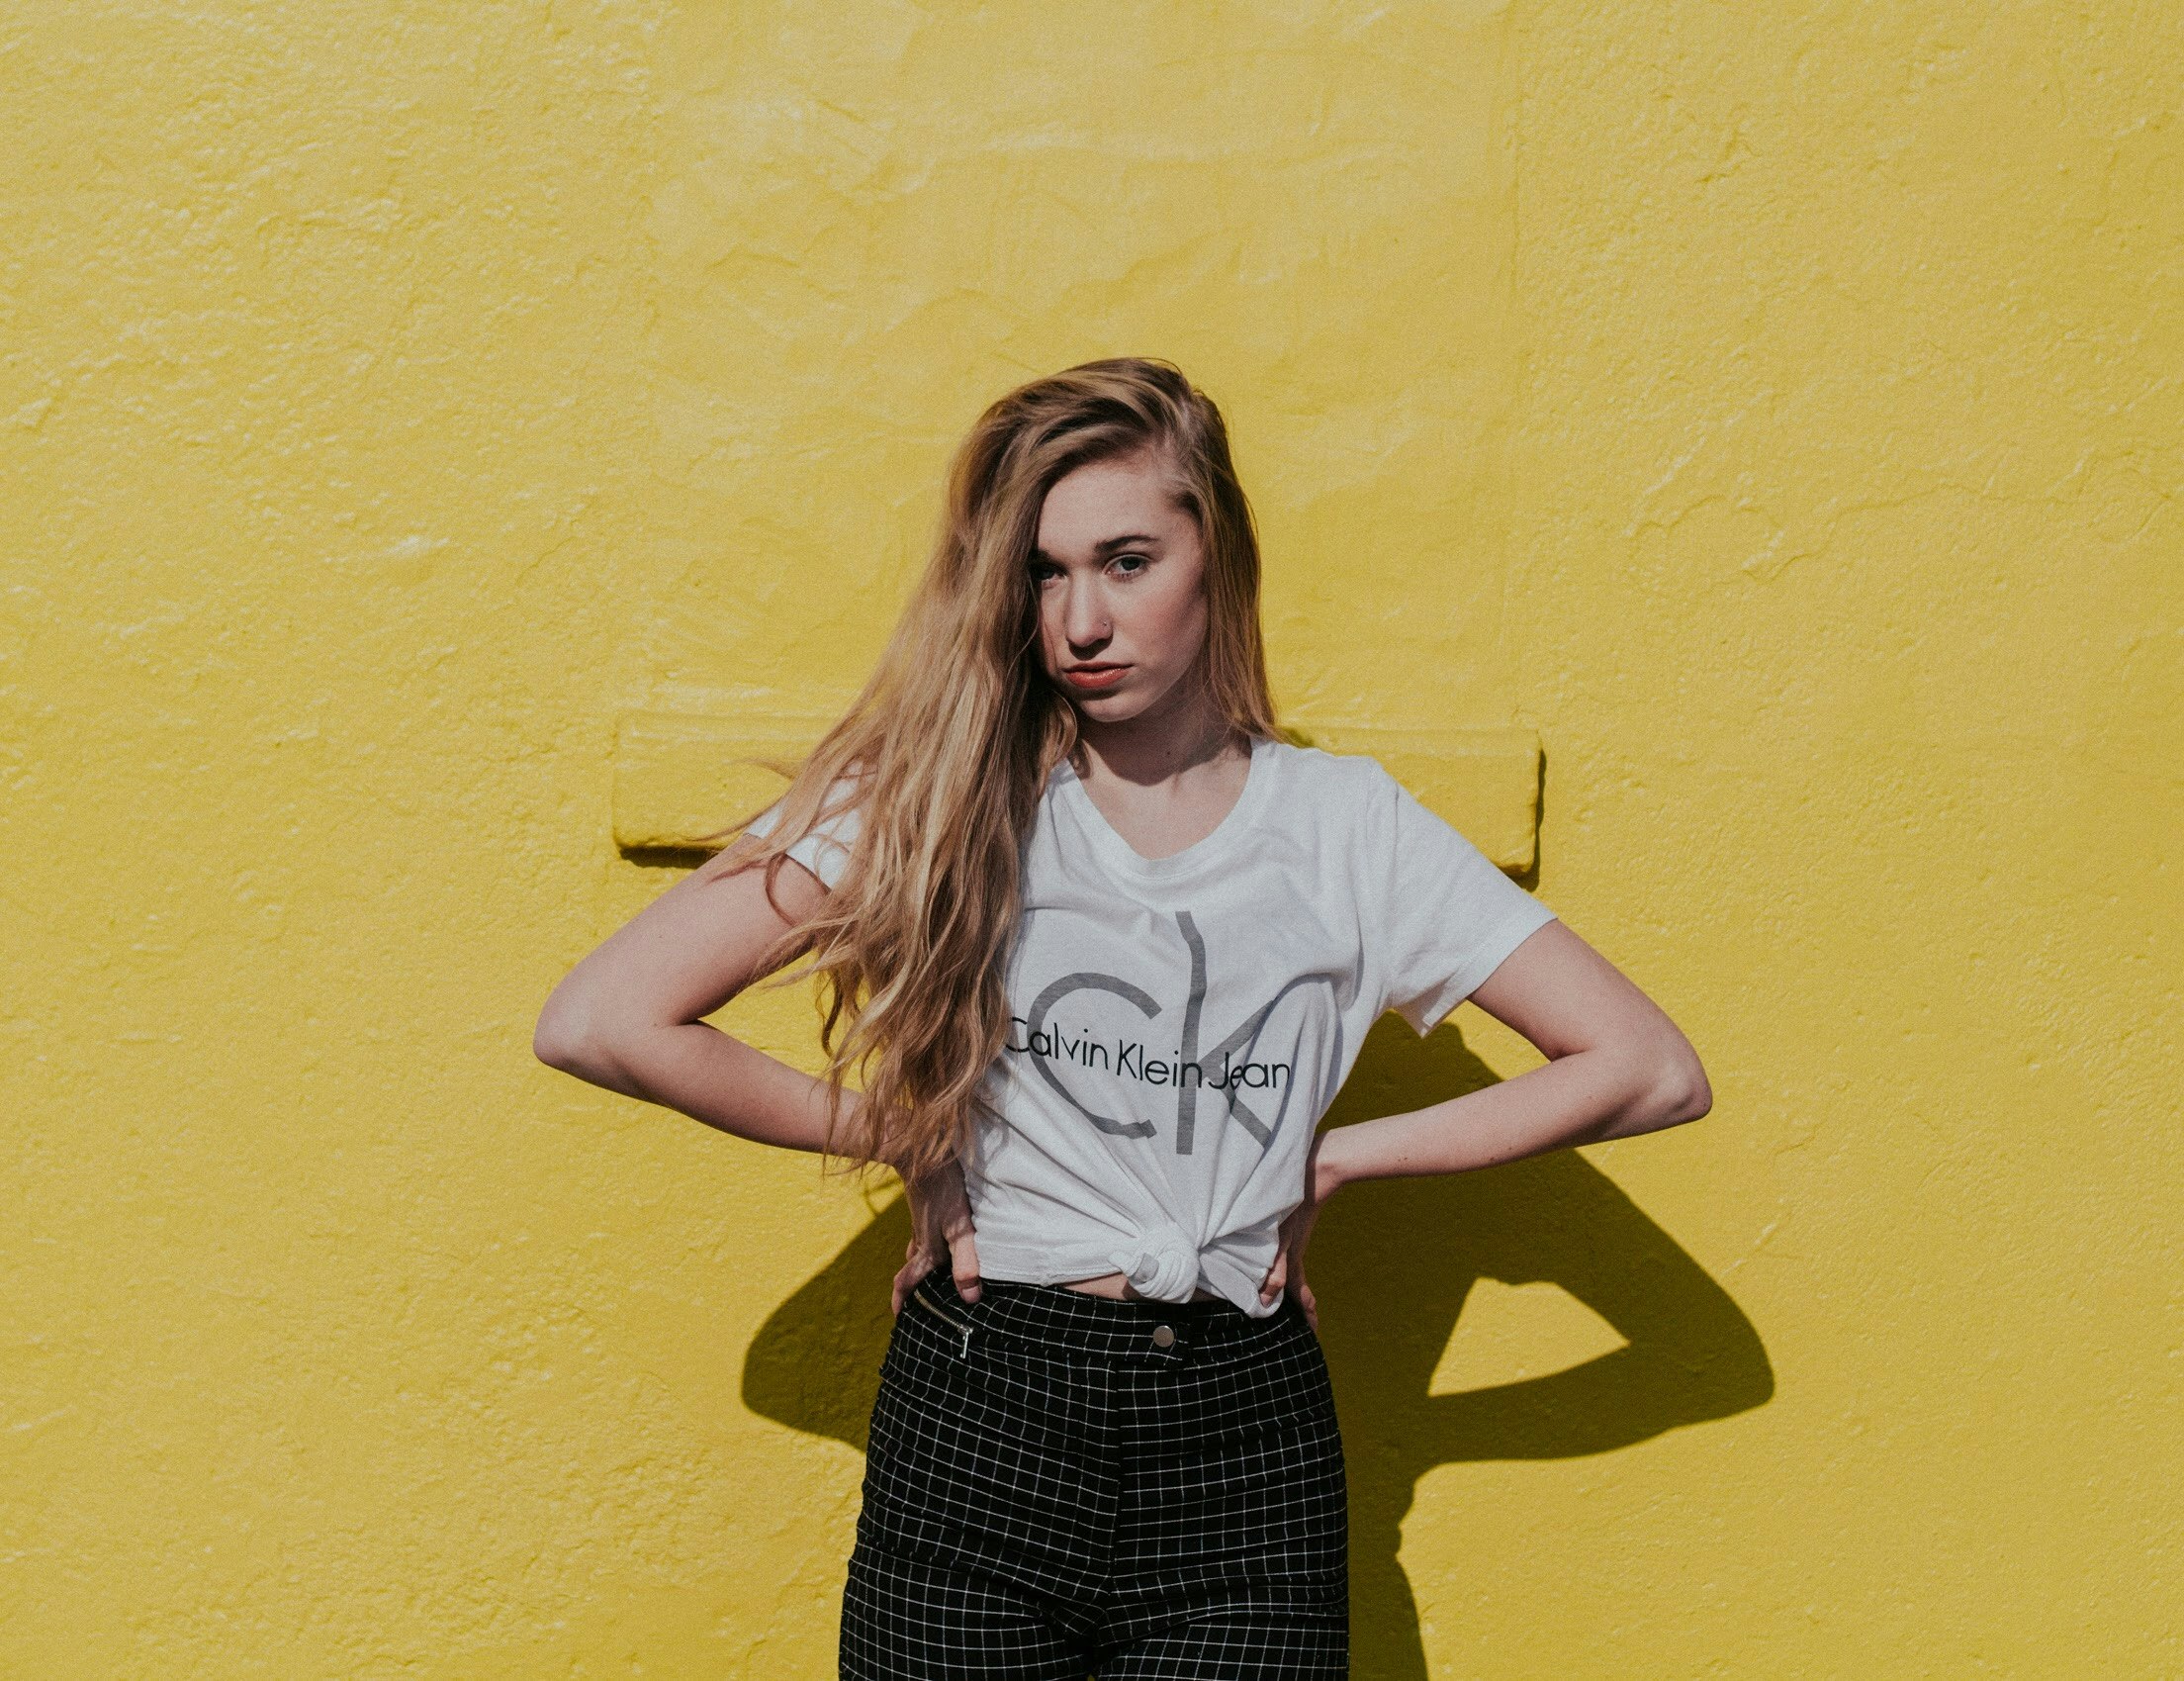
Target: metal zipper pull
<point x="942" y="1313"/>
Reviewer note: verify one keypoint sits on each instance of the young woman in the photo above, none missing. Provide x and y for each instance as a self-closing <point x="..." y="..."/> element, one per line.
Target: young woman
<point x="1100" y="946"/>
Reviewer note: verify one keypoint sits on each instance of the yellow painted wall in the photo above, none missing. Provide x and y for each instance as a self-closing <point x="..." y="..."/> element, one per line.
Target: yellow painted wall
<point x="1775" y="408"/>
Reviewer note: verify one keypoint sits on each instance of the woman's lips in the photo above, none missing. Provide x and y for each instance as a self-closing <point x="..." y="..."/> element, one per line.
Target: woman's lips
<point x="1094" y="677"/>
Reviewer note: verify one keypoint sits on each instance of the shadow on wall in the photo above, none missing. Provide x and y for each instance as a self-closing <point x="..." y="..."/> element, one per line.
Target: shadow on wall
<point x="1391" y="1264"/>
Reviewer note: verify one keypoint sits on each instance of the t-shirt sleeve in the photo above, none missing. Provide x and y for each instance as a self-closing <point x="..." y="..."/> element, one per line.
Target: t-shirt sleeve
<point x="1449" y="915"/>
<point x="825" y="851"/>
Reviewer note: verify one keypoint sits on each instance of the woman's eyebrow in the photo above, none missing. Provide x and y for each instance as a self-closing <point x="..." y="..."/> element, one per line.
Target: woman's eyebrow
<point x="1107" y="546"/>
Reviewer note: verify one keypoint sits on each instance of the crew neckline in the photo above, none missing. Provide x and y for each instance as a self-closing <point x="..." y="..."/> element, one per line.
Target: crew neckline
<point x="1127" y="860"/>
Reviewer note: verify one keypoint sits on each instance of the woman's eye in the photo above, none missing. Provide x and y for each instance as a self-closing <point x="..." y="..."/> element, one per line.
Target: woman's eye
<point x="1130" y="564"/>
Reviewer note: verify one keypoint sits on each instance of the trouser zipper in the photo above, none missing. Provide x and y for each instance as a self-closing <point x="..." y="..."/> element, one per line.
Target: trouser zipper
<point x="933" y="1307"/>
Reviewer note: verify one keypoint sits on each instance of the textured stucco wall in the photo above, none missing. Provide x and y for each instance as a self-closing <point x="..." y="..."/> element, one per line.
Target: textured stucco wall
<point x="1776" y="408"/>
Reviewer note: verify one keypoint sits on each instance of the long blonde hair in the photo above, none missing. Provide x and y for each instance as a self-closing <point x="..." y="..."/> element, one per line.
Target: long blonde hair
<point x="949" y="747"/>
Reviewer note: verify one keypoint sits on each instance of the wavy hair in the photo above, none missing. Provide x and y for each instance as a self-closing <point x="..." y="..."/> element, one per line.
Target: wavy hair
<point x="947" y="750"/>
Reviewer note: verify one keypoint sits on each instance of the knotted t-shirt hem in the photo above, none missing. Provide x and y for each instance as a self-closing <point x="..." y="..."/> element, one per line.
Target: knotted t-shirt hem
<point x="1067" y="1263"/>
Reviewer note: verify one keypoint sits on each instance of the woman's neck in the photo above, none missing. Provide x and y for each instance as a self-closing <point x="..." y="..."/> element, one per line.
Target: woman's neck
<point x="1163" y="744"/>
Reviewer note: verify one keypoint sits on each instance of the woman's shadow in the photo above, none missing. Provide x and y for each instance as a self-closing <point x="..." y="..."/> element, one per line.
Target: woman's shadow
<point x="1391" y="1264"/>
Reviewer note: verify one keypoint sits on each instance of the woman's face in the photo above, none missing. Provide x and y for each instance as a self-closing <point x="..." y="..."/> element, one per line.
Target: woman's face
<point x="1119" y="571"/>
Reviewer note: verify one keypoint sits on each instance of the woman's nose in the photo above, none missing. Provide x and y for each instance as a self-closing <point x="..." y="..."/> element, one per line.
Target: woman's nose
<point x="1086" y="621"/>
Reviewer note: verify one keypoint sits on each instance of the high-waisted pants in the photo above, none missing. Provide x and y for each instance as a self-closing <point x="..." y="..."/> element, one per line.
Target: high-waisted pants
<point x="1061" y="1485"/>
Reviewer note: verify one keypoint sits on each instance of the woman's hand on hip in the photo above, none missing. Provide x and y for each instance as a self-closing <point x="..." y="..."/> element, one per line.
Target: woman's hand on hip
<point x="1322" y="1178"/>
<point x="940" y="1227"/>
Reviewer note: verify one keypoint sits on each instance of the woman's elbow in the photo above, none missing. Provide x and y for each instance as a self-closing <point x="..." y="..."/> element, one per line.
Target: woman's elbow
<point x="1683" y="1093"/>
<point x="1664" y="1087"/>
<point x="565" y="1037"/>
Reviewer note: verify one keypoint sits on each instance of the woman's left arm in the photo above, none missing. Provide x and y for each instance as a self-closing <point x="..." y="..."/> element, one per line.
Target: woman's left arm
<point x="1616" y="1066"/>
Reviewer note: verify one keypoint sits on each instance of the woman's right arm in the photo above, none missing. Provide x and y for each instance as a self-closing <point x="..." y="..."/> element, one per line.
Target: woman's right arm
<point x="629" y="1017"/>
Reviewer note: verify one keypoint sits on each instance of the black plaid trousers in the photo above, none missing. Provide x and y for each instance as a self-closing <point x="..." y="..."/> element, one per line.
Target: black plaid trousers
<point x="1061" y="1485"/>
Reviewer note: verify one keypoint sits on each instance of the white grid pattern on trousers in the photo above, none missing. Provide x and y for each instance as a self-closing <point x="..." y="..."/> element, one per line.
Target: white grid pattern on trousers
<point x="1052" y="1491"/>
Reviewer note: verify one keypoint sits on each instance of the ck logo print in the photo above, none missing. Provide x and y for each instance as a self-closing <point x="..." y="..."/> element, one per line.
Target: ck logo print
<point x="1233" y="1069"/>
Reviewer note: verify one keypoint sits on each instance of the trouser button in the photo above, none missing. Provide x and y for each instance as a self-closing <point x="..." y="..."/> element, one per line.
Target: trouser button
<point x="1163" y="1337"/>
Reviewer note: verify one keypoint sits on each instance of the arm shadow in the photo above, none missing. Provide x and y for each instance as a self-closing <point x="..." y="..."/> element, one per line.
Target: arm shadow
<point x="1392" y="1261"/>
<point x="1391" y="1265"/>
<point x="814" y="1365"/>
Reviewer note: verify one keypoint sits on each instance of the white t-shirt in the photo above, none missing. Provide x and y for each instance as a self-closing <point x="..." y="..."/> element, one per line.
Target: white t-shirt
<point x="1180" y="1024"/>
